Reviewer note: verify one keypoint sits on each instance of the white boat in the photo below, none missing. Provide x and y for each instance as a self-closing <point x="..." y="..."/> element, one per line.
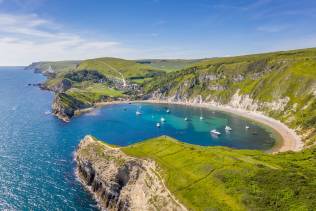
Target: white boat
<point x="138" y="111"/>
<point x="247" y="127"/>
<point x="162" y="119"/>
<point x="47" y="112"/>
<point x="215" y="132"/>
<point x="158" y="124"/>
<point x="168" y="111"/>
<point x="186" y="119"/>
<point x="227" y="128"/>
<point x="201" y="118"/>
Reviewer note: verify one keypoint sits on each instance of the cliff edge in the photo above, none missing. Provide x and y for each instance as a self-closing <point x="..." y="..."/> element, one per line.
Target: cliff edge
<point x="121" y="182"/>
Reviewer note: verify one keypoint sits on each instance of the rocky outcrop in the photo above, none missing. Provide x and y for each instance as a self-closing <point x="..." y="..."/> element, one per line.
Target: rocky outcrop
<point x="62" y="86"/>
<point x="121" y="182"/>
<point x="64" y="106"/>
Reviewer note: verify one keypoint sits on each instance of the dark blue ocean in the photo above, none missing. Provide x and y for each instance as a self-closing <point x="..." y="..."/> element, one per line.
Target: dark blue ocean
<point x="36" y="149"/>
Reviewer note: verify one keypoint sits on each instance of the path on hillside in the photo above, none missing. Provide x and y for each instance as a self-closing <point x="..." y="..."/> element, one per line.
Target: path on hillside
<point x="116" y="70"/>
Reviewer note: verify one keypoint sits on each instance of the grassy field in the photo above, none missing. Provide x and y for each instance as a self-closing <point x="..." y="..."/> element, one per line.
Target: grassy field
<point x="94" y="93"/>
<point x="57" y="67"/>
<point x="114" y="66"/>
<point x="219" y="178"/>
<point x="169" y="65"/>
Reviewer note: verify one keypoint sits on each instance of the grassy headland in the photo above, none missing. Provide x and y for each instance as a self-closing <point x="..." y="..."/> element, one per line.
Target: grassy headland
<point x="220" y="178"/>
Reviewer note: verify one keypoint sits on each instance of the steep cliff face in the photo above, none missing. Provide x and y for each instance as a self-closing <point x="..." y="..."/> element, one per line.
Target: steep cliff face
<point x="280" y="85"/>
<point x="120" y="182"/>
<point x="64" y="106"/>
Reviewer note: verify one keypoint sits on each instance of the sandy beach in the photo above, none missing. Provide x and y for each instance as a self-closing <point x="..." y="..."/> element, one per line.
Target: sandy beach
<point x="290" y="140"/>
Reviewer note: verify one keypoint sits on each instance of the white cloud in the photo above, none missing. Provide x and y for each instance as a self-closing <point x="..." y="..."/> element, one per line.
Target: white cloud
<point x="28" y="38"/>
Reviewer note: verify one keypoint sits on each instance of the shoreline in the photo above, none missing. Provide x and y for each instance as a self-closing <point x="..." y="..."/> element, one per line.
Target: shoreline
<point x="290" y="141"/>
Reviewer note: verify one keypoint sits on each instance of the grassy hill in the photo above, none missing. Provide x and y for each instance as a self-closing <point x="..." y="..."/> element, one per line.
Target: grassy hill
<point x="280" y="84"/>
<point x="81" y="84"/>
<point x="220" y="178"/>
<point x="114" y="66"/>
<point x="169" y="65"/>
<point x="57" y="67"/>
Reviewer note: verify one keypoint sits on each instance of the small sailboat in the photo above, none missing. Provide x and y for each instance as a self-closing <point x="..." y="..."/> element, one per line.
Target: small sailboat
<point x="138" y="113"/>
<point x="162" y="119"/>
<point x="168" y="111"/>
<point x="227" y="128"/>
<point x="247" y="127"/>
<point x="201" y="114"/>
<point x="158" y="124"/>
<point x="186" y="113"/>
<point x="215" y="132"/>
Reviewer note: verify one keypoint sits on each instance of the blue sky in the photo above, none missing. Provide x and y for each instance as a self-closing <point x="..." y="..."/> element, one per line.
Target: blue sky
<point x="37" y="30"/>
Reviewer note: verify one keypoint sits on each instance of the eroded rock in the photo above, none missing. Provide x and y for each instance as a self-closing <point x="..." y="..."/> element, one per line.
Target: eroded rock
<point x="121" y="182"/>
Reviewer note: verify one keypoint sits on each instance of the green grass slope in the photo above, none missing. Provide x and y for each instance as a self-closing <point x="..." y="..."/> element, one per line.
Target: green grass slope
<point x="94" y="93"/>
<point x="169" y="65"/>
<point x="219" y="178"/>
<point x="114" y="66"/>
<point x="57" y="67"/>
<point x="269" y="79"/>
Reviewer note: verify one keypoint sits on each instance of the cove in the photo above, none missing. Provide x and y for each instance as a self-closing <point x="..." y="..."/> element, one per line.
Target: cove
<point x="118" y="124"/>
<point x="36" y="149"/>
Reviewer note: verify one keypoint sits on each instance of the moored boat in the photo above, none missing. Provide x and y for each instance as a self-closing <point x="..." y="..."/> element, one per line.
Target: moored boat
<point x="138" y="112"/>
<point x="227" y="128"/>
<point x="215" y="132"/>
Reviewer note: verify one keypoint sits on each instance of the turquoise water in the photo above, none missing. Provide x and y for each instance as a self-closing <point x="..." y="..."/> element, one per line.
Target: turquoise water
<point x="36" y="149"/>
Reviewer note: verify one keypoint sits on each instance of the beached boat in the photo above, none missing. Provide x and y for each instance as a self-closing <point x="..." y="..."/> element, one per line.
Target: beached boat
<point x="215" y="132"/>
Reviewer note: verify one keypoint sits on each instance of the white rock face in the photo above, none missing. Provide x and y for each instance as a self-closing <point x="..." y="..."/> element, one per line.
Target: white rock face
<point x="247" y="103"/>
<point x="121" y="182"/>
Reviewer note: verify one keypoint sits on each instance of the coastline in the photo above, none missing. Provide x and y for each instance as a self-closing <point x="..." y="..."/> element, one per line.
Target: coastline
<point x="290" y="141"/>
<point x="100" y="177"/>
